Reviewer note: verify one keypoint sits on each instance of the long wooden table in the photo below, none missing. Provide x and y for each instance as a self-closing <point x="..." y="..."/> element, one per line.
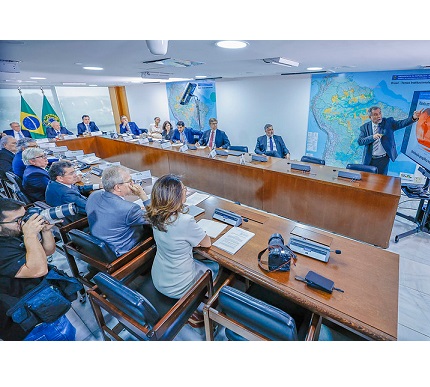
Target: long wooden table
<point x="363" y="210"/>
<point x="368" y="275"/>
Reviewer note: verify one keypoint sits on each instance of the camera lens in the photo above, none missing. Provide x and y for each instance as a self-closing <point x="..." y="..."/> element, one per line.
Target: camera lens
<point x="59" y="212"/>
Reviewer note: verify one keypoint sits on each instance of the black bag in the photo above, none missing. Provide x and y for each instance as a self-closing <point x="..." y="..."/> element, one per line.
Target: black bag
<point x="47" y="302"/>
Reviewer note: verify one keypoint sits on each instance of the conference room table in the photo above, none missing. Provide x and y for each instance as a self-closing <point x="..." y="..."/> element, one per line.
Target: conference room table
<point x="368" y="275"/>
<point x="363" y="210"/>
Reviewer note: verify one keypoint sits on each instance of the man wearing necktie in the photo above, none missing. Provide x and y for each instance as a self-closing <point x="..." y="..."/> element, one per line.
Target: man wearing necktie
<point x="185" y="135"/>
<point x="57" y="131"/>
<point x="378" y="137"/>
<point x="214" y="138"/>
<point x="16" y="131"/>
<point x="271" y="145"/>
<point x="86" y="126"/>
<point x="130" y="127"/>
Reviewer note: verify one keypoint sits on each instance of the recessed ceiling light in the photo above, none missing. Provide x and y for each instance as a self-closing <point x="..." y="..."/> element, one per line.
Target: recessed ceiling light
<point x="314" y="68"/>
<point x="37" y="78"/>
<point x="200" y="76"/>
<point x="231" y="44"/>
<point x="74" y="83"/>
<point x="92" y="68"/>
<point x="92" y="85"/>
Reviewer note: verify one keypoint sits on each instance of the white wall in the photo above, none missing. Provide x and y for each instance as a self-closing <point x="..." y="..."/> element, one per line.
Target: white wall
<point x="244" y="106"/>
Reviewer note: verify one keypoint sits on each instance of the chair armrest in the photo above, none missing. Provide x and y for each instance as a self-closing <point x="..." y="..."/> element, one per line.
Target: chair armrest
<point x="314" y="328"/>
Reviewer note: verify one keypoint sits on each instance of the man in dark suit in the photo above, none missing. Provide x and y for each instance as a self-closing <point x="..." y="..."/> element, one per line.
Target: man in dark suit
<point x="18" y="166"/>
<point x="56" y="131"/>
<point x="271" y="145"/>
<point x="62" y="188"/>
<point x="35" y="178"/>
<point x="214" y="138"/>
<point x="7" y="153"/>
<point x="130" y="127"/>
<point x="16" y="131"/>
<point x="86" y="126"/>
<point x="378" y="138"/>
<point x="114" y="220"/>
<point x="185" y="135"/>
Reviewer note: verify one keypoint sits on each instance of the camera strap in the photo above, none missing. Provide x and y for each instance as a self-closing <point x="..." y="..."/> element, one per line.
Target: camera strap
<point x="270" y="247"/>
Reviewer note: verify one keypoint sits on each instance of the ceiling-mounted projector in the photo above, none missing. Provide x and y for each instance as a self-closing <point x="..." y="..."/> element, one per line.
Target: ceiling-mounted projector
<point x="9" y="66"/>
<point x="157" y="47"/>
<point x="281" y="61"/>
<point x="154" y="75"/>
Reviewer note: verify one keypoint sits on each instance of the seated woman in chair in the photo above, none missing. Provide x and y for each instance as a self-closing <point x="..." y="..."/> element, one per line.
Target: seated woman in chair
<point x="175" y="269"/>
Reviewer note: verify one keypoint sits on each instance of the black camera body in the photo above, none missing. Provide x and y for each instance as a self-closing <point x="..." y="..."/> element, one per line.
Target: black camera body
<point x="52" y="214"/>
<point x="279" y="254"/>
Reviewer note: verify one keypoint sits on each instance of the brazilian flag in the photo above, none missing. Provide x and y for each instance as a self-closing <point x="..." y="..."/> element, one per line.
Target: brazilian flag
<point x="30" y="121"/>
<point x="48" y="113"/>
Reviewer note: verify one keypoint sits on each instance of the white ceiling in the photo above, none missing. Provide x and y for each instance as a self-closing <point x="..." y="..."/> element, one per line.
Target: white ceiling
<point x="122" y="59"/>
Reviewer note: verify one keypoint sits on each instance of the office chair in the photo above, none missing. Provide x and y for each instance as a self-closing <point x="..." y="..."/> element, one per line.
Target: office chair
<point x="246" y="317"/>
<point x="15" y="179"/>
<point x="82" y="246"/>
<point x="240" y="148"/>
<point x="141" y="310"/>
<point x="363" y="168"/>
<point x="5" y="190"/>
<point x="314" y="160"/>
<point x="15" y="187"/>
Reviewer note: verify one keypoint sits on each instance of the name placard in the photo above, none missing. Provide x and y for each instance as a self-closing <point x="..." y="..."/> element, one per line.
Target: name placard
<point x="96" y="133"/>
<point x="143" y="141"/>
<point x="166" y="145"/>
<point x="183" y="148"/>
<point x="74" y="153"/>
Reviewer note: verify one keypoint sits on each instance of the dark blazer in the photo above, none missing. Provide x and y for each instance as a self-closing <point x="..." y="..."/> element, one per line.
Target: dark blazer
<point x="81" y="127"/>
<point x="189" y="135"/>
<point x="167" y="136"/>
<point x="51" y="133"/>
<point x="221" y="139"/>
<point x="281" y="149"/>
<point x="18" y="165"/>
<point x="387" y="128"/>
<point x="34" y="182"/>
<point x="133" y="127"/>
<point x="11" y="132"/>
<point x="6" y="159"/>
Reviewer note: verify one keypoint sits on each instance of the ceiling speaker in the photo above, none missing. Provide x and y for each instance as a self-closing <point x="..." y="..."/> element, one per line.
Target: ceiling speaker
<point x="157" y="47"/>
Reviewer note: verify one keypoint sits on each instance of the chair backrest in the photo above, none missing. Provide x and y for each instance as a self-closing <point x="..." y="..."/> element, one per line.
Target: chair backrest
<point x="126" y="299"/>
<point x="92" y="246"/>
<point x="240" y="148"/>
<point x="16" y="192"/>
<point x="14" y="179"/>
<point x="314" y="160"/>
<point x="362" y="167"/>
<point x="257" y="315"/>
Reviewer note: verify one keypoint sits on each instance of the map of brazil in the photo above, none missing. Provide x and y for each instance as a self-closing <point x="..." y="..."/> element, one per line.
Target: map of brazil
<point x="338" y="107"/>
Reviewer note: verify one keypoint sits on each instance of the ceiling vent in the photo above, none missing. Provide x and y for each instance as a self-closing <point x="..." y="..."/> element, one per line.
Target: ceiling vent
<point x="9" y="66"/>
<point x="281" y="62"/>
<point x="154" y="75"/>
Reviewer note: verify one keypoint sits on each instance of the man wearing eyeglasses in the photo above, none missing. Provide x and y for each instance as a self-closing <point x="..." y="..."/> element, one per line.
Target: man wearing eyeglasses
<point x="7" y="153"/>
<point x="23" y="265"/>
<point x="35" y="178"/>
<point x="113" y="219"/>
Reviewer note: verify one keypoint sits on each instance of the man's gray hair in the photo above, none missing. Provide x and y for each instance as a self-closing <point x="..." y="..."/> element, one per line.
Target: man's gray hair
<point x="31" y="153"/>
<point x="112" y="176"/>
<point x="4" y="140"/>
<point x="371" y="109"/>
<point x="24" y="143"/>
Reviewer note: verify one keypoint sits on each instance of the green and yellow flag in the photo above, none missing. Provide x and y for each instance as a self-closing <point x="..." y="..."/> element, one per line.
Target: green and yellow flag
<point x="48" y="113"/>
<point x="30" y="121"/>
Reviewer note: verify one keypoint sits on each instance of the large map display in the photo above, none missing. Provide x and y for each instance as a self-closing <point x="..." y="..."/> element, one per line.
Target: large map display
<point x="202" y="106"/>
<point x="338" y="107"/>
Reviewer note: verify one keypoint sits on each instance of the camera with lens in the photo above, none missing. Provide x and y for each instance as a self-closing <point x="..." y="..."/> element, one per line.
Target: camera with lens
<point x="52" y="214"/>
<point x="279" y="254"/>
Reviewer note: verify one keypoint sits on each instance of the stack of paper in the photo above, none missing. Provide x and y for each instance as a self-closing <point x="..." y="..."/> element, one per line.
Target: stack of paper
<point x="233" y="240"/>
<point x="212" y="228"/>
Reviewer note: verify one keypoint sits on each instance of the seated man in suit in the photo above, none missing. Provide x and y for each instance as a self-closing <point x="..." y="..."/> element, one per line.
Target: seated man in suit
<point x="7" y="154"/>
<point x="35" y="178"/>
<point x="16" y="131"/>
<point x="271" y="145"/>
<point x="86" y="126"/>
<point x="62" y="189"/>
<point x="130" y="127"/>
<point x="214" y="138"/>
<point x="185" y="135"/>
<point x="18" y="165"/>
<point x="56" y="131"/>
<point x="113" y="219"/>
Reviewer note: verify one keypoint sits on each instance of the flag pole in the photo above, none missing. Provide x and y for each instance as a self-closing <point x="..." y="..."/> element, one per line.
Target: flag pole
<point x="19" y="90"/>
<point x="41" y="88"/>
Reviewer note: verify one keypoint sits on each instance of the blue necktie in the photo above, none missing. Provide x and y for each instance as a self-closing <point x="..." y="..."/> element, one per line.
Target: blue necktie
<point x="271" y="144"/>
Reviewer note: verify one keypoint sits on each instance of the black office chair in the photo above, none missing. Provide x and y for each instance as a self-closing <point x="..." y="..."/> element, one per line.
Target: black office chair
<point x="142" y="311"/>
<point x="363" y="168"/>
<point x="15" y="179"/>
<point x="14" y="184"/>
<point x="248" y="318"/>
<point x="239" y="148"/>
<point x="314" y="160"/>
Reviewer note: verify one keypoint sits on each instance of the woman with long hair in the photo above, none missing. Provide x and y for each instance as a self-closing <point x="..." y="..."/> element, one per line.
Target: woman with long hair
<point x="175" y="269"/>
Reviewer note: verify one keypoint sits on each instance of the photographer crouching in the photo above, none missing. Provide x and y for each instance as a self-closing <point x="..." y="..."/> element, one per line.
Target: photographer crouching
<point x="23" y="267"/>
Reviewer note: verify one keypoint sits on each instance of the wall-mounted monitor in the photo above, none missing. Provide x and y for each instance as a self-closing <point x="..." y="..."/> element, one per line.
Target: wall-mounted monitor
<point x="416" y="142"/>
<point x="188" y="93"/>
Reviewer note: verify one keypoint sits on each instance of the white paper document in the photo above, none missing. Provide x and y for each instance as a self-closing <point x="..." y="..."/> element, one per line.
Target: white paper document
<point x="195" y="198"/>
<point x="233" y="240"/>
<point x="212" y="228"/>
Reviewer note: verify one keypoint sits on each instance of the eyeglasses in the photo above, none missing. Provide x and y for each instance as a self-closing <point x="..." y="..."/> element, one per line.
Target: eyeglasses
<point x="128" y="181"/>
<point x="40" y="157"/>
<point x="17" y="220"/>
<point x="70" y="173"/>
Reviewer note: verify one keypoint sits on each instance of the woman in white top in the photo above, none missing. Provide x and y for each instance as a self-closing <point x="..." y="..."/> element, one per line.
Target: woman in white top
<point x="155" y="129"/>
<point x="175" y="269"/>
